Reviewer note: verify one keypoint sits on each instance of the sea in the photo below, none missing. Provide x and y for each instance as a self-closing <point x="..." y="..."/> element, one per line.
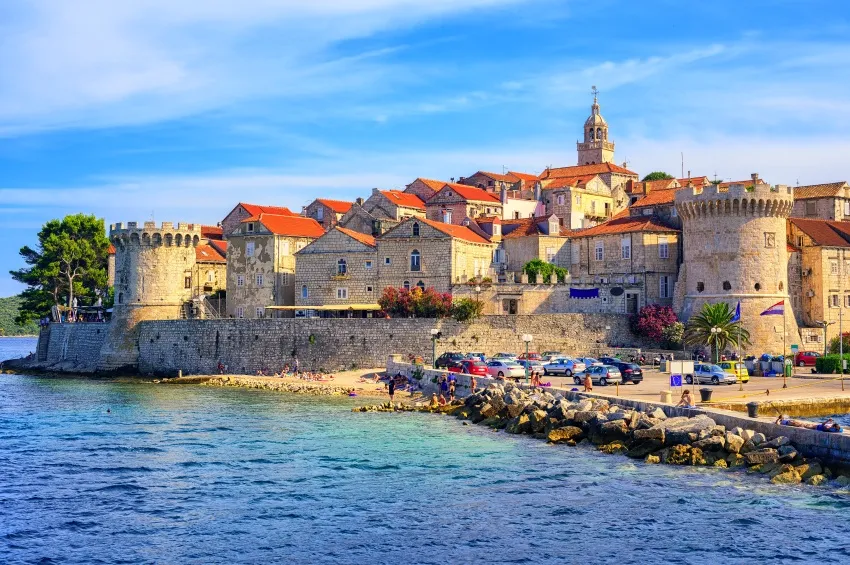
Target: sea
<point x="118" y="471"/>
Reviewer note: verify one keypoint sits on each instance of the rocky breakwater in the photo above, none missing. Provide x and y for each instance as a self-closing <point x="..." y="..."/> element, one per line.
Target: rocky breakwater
<point x="315" y="389"/>
<point x="649" y="435"/>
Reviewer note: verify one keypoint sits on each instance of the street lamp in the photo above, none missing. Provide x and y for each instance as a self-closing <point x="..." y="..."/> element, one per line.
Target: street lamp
<point x="435" y="335"/>
<point x="825" y="325"/>
<point x="715" y="331"/>
<point x="527" y="339"/>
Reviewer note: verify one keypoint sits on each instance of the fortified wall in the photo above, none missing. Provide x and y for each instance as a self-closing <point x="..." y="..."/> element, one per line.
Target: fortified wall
<point x="246" y="346"/>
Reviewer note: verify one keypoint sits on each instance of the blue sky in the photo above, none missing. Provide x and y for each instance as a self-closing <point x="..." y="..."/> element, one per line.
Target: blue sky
<point x="177" y="110"/>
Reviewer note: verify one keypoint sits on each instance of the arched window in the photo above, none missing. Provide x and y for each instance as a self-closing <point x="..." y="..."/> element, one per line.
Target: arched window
<point x="416" y="229"/>
<point x="406" y="285"/>
<point x="598" y="133"/>
<point x="304" y="292"/>
<point x="420" y="285"/>
<point x="415" y="264"/>
<point x="590" y="134"/>
<point x="341" y="267"/>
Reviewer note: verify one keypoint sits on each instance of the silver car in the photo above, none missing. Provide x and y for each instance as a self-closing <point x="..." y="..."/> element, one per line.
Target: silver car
<point x="563" y="366"/>
<point x="533" y="365"/>
<point x="505" y="368"/>
<point x="590" y="361"/>
<point x="704" y="373"/>
<point x="601" y="375"/>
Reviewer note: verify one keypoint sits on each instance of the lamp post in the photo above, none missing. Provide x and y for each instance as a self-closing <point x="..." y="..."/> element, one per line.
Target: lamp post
<point x="477" y="294"/>
<point x="825" y="325"/>
<point x="527" y="339"/>
<point x="435" y="335"/>
<point x="715" y="331"/>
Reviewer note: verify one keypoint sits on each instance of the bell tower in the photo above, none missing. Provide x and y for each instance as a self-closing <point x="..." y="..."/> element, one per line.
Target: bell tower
<point x="595" y="148"/>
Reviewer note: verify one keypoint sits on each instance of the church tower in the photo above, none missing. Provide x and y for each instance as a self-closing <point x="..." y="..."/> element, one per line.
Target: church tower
<point x="596" y="148"/>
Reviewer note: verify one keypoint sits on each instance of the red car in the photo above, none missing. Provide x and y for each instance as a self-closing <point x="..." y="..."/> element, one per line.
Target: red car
<point x="469" y="367"/>
<point x="532" y="356"/>
<point x="806" y="358"/>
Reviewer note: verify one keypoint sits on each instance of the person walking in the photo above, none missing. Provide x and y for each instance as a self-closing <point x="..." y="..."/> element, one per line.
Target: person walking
<point x="588" y="384"/>
<point x="472" y="384"/>
<point x="295" y="365"/>
<point x="391" y="388"/>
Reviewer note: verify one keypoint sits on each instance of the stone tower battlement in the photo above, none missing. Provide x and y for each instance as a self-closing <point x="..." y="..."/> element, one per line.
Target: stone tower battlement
<point x="734" y="250"/>
<point x="167" y="234"/>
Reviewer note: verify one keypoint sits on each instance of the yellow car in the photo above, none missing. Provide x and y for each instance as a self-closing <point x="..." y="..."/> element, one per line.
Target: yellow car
<point x="736" y="368"/>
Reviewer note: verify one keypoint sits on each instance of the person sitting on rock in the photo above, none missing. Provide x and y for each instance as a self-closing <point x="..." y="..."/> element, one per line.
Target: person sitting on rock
<point x="687" y="401"/>
<point x="434" y="402"/>
<point x="442" y="400"/>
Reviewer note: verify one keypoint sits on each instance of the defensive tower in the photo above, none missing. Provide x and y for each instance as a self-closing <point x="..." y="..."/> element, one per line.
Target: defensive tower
<point x="735" y="250"/>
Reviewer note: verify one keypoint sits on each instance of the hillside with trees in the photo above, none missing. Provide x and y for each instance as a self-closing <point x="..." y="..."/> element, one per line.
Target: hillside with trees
<point x="9" y="310"/>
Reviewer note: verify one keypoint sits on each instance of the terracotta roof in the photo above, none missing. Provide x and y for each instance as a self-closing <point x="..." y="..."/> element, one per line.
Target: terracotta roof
<point x="220" y="245"/>
<point x="622" y="223"/>
<point x="404" y="199"/>
<point x="471" y="193"/>
<point x="212" y="232"/>
<point x="657" y="198"/>
<point x="660" y="184"/>
<point x="338" y="206"/>
<point x="208" y="254"/>
<point x="746" y="182"/>
<point x="459" y="232"/>
<point x="111" y="249"/>
<point x="564" y="182"/>
<point x="824" y="232"/>
<point x="361" y="237"/>
<point x="488" y="220"/>
<point x="294" y="226"/>
<point x="524" y="176"/>
<point x="257" y="209"/>
<point x="497" y="176"/>
<point x="580" y="170"/>
<point x="697" y="181"/>
<point x="791" y="249"/>
<point x="512" y="229"/>
<point x="434" y="184"/>
<point x="829" y="190"/>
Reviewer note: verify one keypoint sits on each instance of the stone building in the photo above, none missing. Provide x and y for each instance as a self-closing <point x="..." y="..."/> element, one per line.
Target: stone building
<point x="424" y="188"/>
<point x="454" y="203"/>
<point x="824" y="201"/>
<point x="734" y="250"/>
<point x="580" y="202"/>
<point x="426" y="253"/>
<point x="261" y="262"/>
<point x="242" y="211"/>
<point x="338" y="269"/>
<point x="534" y="238"/>
<point x="383" y="210"/>
<point x="631" y="261"/>
<point x="326" y="211"/>
<point x="210" y="272"/>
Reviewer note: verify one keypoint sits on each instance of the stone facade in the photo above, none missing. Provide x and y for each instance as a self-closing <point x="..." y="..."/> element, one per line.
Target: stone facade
<point x="456" y="202"/>
<point x="734" y="250"/>
<point x="243" y="211"/>
<point x="553" y="249"/>
<point x="327" y="212"/>
<point x="424" y="188"/>
<point x="382" y="211"/>
<point x="581" y="206"/>
<point x="824" y="201"/>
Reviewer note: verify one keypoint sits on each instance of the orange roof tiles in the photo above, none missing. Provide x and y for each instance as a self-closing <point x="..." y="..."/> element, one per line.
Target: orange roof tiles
<point x="208" y="254"/>
<point x="257" y="209"/>
<point x="657" y="198"/>
<point x="435" y="185"/>
<point x="579" y="170"/>
<point x="524" y="176"/>
<point x="826" y="233"/>
<point x="829" y="190"/>
<point x="524" y="227"/>
<point x="622" y="223"/>
<point x="404" y="199"/>
<point x="212" y="232"/>
<point x="746" y="182"/>
<point x="697" y="181"/>
<point x="293" y="226"/>
<point x="459" y="232"/>
<point x="220" y="245"/>
<point x="361" y="237"/>
<point x="497" y="176"/>
<point x="338" y="206"/>
<point x="471" y="193"/>
<point x="791" y="249"/>
<point x="565" y="182"/>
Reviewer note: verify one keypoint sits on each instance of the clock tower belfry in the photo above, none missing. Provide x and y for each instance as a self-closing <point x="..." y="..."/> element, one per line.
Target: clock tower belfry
<point x="595" y="148"/>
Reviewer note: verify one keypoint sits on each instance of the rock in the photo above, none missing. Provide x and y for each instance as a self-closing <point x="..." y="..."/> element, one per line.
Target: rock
<point x="737" y="430"/>
<point x="652" y="459"/>
<point x="748" y="446"/>
<point x="651" y="433"/>
<point x="787" y="453"/>
<point x="608" y="432"/>
<point x="762" y="456"/>
<point x="678" y="438"/>
<point x="768" y="468"/>
<point x="747" y="434"/>
<point x="562" y="435"/>
<point x="538" y="420"/>
<point x="685" y="455"/>
<point x="518" y="425"/>
<point x="776" y="442"/>
<point x="514" y="410"/>
<point x="644" y="448"/>
<point x="721" y="463"/>
<point x="645" y="422"/>
<point x="615" y="448"/>
<point x="816" y="480"/>
<point x="685" y="424"/>
<point x="582" y="416"/>
<point x="842" y="481"/>
<point x="658" y="414"/>
<point x="812" y="469"/>
<point x="735" y="460"/>
<point x="718" y="430"/>
<point x="585" y="406"/>
<point x="634" y="420"/>
<point x="778" y="469"/>
<point x="734" y="442"/>
<point x="616" y="416"/>
<point x="466" y="423"/>
<point x="789" y="477"/>
<point x="758" y="439"/>
<point x="711" y="443"/>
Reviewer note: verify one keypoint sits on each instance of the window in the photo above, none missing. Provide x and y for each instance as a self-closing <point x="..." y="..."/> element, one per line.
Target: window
<point x="447" y="216"/>
<point x="367" y="265"/>
<point x="249" y="249"/>
<point x="187" y="281"/>
<point x="600" y="251"/>
<point x="575" y="252"/>
<point x="516" y="217"/>
<point x="499" y="256"/>
<point x="259" y="280"/>
<point x="284" y="247"/>
<point x="250" y="227"/>
<point x="260" y="311"/>
<point x="847" y="208"/>
<point x="811" y="208"/>
<point x="833" y="301"/>
<point x="420" y="285"/>
<point x="833" y="267"/>
<point x="663" y="248"/>
<point x="700" y="286"/>
<point x="416" y="229"/>
<point x="664" y="287"/>
<point x="342" y="293"/>
<point x="626" y="248"/>
<point x="320" y="213"/>
<point x="550" y="254"/>
<point x="341" y="267"/>
<point x="560" y="200"/>
<point x="847" y="300"/>
<point x="673" y="212"/>
<point x="368" y="289"/>
<point x="387" y="261"/>
<point x="578" y="199"/>
<point x="593" y="206"/>
<point x="497" y="229"/>
<point x="304" y="292"/>
<point x="415" y="260"/>
<point x="240" y="312"/>
<point x="406" y="285"/>
<point x="799" y="241"/>
<point x="284" y="279"/>
<point x="240" y="280"/>
<point x="648" y="211"/>
<point x="210" y="276"/>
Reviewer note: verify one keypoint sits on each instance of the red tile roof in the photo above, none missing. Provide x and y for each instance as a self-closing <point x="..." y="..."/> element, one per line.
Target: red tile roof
<point x="657" y="198"/>
<point x="293" y="226"/>
<point x="212" y="232"/>
<point x="220" y="245"/>
<point x="524" y="176"/>
<point x="580" y="170"/>
<point x="825" y="233"/>
<point x="257" y="209"/>
<point x="829" y="190"/>
<point x="459" y="232"/>
<point x="569" y="182"/>
<point x="512" y="229"/>
<point x="433" y="184"/>
<point x="471" y="193"/>
<point x="499" y="177"/>
<point x="791" y="249"/>
<point x="361" y="237"/>
<point x="208" y="254"/>
<point x="697" y="181"/>
<point x="404" y="199"/>
<point x="622" y="223"/>
<point x="338" y="206"/>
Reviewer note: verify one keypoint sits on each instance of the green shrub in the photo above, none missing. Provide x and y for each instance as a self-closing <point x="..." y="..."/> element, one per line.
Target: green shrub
<point x="466" y="309"/>
<point x="829" y="364"/>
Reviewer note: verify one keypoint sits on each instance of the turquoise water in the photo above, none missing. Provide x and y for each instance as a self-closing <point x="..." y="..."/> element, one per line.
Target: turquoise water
<point x="14" y="347"/>
<point x="190" y="474"/>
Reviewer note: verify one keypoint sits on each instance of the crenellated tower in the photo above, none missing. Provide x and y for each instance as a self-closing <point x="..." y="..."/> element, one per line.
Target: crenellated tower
<point x="734" y="249"/>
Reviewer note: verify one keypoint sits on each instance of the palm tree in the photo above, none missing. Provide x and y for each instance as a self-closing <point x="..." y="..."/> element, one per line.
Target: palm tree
<point x="717" y="317"/>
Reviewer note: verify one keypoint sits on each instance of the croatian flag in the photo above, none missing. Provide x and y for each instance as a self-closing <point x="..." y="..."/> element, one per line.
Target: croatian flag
<point x="777" y="309"/>
<point x="737" y="316"/>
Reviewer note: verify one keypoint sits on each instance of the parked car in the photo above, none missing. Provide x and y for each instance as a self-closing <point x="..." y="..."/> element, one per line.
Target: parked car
<point x="473" y="367"/>
<point x="550" y="355"/>
<point x="600" y="374"/>
<point x="443" y="360"/>
<point x="590" y="361"/>
<point x="704" y="373"/>
<point x="530" y="355"/>
<point x="533" y="365"/>
<point x="608" y="360"/>
<point x="504" y="356"/>
<point x="632" y="373"/>
<point x="806" y="358"/>
<point x="564" y="366"/>
<point x="476" y="355"/>
<point x="505" y="368"/>
<point x="736" y="368"/>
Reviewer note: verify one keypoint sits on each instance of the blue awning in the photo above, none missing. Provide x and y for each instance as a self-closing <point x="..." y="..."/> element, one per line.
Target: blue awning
<point x="583" y="293"/>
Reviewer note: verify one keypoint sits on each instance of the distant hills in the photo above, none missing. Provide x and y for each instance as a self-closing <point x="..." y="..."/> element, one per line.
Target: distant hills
<point x="9" y="307"/>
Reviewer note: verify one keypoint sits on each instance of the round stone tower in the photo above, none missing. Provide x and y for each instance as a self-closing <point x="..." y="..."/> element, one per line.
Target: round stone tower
<point x="735" y="250"/>
<point x="153" y="269"/>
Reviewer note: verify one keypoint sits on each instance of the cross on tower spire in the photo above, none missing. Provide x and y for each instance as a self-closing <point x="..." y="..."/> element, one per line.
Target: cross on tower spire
<point x="595" y="92"/>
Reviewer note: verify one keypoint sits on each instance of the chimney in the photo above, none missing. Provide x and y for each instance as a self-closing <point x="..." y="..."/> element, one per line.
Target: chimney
<point x="503" y="194"/>
<point x="452" y="179"/>
<point x="537" y="186"/>
<point x="359" y="201"/>
<point x="755" y="177"/>
<point x="374" y="191"/>
<point x="303" y="210"/>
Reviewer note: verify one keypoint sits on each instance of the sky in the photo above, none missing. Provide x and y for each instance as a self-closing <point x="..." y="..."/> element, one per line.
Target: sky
<point x="177" y="111"/>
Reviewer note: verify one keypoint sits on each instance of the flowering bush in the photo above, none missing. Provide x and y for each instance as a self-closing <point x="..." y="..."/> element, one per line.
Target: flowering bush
<point x="651" y="320"/>
<point x="415" y="303"/>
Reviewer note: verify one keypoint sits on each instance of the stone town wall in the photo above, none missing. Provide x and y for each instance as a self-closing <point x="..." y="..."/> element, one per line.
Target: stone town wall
<point x="72" y="347"/>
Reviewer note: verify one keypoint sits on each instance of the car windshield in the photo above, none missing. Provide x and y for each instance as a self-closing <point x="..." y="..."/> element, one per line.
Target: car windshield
<point x="512" y="364"/>
<point x="590" y="360"/>
<point x="715" y="368"/>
